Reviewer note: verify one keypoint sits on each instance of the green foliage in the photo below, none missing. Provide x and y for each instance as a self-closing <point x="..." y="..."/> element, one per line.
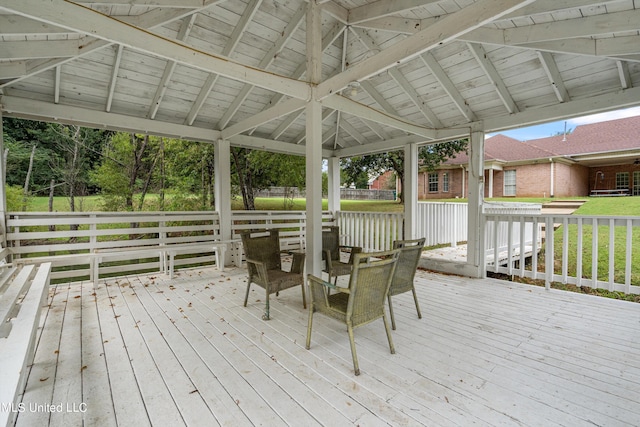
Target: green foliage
<point x="15" y="199"/>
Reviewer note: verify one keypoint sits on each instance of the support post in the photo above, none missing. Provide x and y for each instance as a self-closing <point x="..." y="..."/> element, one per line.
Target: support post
<point x="476" y="229"/>
<point x="3" y="194"/>
<point x="222" y="188"/>
<point x="333" y="174"/>
<point x="313" y="149"/>
<point x="410" y="190"/>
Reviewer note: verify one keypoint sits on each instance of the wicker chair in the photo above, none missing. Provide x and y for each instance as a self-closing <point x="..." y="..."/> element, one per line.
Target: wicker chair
<point x="362" y="302"/>
<point x="264" y="263"/>
<point x="331" y="249"/>
<point x="410" y="251"/>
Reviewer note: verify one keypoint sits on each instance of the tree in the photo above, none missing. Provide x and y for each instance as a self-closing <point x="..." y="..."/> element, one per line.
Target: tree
<point x="358" y="169"/>
<point x="281" y="170"/>
<point x="126" y="169"/>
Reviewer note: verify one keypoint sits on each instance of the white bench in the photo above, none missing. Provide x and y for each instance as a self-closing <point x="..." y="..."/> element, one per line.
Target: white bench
<point x="23" y="293"/>
<point x="219" y="247"/>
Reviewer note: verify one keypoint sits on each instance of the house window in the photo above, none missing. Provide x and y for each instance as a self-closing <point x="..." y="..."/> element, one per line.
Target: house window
<point x="636" y="183"/>
<point x="510" y="183"/>
<point x="445" y="182"/>
<point x="622" y="180"/>
<point x="433" y="183"/>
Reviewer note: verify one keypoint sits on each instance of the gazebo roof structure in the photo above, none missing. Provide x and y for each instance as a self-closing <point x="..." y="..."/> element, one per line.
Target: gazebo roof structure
<point x="393" y="71"/>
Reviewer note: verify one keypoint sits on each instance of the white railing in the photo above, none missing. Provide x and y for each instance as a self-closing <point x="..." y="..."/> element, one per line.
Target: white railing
<point x="442" y="223"/>
<point x="292" y="225"/>
<point x="372" y="231"/>
<point x="592" y="251"/>
<point x="72" y="237"/>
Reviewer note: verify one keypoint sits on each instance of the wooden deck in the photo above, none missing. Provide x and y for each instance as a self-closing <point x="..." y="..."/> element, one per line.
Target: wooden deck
<point x="146" y="350"/>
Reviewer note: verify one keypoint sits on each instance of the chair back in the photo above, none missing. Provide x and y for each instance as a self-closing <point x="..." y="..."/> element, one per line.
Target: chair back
<point x="410" y="252"/>
<point x="369" y="283"/>
<point x="263" y="248"/>
<point x="331" y="242"/>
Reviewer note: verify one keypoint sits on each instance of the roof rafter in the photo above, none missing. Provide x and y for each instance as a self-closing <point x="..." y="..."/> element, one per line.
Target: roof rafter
<point x="86" y="21"/>
<point x="114" y="76"/>
<point x="30" y="49"/>
<point x="492" y="74"/>
<point x="553" y="73"/>
<point x="183" y="33"/>
<point x="383" y="8"/>
<point x="442" y="31"/>
<point x="442" y="77"/>
<point x="286" y="34"/>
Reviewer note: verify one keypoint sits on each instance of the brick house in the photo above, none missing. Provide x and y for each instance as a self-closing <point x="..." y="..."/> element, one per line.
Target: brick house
<point x="596" y="159"/>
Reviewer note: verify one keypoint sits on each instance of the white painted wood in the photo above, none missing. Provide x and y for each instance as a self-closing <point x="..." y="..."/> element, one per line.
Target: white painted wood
<point x="18" y="340"/>
<point x="519" y="363"/>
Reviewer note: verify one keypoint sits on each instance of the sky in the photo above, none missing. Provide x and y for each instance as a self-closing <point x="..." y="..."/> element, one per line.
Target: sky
<point x="550" y="129"/>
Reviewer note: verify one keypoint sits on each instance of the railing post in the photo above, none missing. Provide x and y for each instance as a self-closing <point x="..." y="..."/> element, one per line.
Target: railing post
<point x="548" y="253"/>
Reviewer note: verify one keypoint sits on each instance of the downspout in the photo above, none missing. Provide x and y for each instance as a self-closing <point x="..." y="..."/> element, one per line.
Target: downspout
<point x="552" y="180"/>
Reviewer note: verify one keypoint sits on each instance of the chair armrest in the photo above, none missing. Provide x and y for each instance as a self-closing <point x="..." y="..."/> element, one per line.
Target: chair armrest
<point x="319" y="281"/>
<point x="260" y="267"/>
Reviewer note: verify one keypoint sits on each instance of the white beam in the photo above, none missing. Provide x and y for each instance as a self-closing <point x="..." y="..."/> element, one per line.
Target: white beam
<point x="201" y="98"/>
<point x="44" y="111"/>
<point x="114" y="76"/>
<point x="383" y="8"/>
<point x="264" y="116"/>
<point x="333" y="184"/>
<point x="553" y="74"/>
<point x="492" y="74"/>
<point x="346" y="105"/>
<point x="625" y="76"/>
<point x="163" y="3"/>
<point x="18" y="25"/>
<point x="397" y="75"/>
<point x="267" y="59"/>
<point x="87" y="21"/>
<point x="383" y="146"/>
<point x="56" y="85"/>
<point x="448" y="28"/>
<point x="348" y="127"/>
<point x="587" y="26"/>
<point x="270" y="145"/>
<point x="368" y="87"/>
<point x="183" y="33"/>
<point x="443" y="78"/>
<point x="149" y="20"/>
<point x="33" y="49"/>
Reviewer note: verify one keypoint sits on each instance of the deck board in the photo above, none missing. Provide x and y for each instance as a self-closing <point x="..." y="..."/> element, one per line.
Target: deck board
<point x="149" y="350"/>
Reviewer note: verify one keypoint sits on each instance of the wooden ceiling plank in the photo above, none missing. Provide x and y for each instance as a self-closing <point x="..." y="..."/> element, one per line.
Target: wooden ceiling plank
<point x="86" y="21"/>
<point x="492" y="74"/>
<point x="446" y="29"/>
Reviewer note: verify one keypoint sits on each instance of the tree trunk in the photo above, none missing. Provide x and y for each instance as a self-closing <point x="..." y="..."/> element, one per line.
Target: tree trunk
<point x="27" y="179"/>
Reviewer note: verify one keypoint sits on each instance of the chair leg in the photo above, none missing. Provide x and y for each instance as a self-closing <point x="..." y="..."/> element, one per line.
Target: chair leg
<point x="310" y="323"/>
<point x="393" y="320"/>
<point x="246" y="296"/>
<point x="415" y="298"/>
<point x="356" y="367"/>
<point x="386" y="327"/>
<point x="304" y="296"/>
<point x="265" y="316"/>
